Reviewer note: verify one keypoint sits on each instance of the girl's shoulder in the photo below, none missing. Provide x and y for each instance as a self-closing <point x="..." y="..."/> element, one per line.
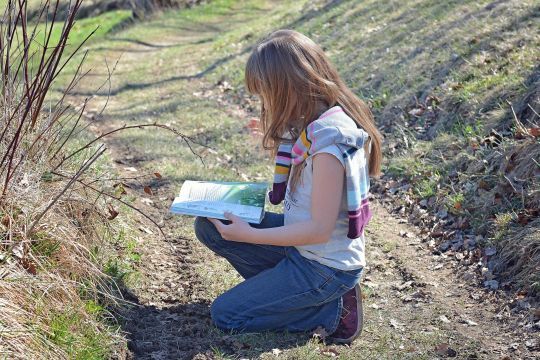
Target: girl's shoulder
<point x="332" y="149"/>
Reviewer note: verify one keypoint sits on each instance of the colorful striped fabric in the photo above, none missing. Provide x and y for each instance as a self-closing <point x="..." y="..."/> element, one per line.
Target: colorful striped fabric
<point x="332" y="127"/>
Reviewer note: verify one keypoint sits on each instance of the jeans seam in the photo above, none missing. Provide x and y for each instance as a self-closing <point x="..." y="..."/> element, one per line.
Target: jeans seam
<point x="222" y="251"/>
<point x="326" y="277"/>
<point x="335" y="324"/>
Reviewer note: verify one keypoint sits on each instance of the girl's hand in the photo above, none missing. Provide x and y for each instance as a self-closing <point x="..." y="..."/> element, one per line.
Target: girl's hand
<point x="237" y="230"/>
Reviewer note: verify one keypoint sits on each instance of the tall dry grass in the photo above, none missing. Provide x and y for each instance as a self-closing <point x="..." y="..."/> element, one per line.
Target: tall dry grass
<point x="51" y="223"/>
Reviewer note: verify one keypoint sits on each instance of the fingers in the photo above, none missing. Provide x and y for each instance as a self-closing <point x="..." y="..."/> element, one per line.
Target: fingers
<point x="216" y="223"/>
<point x="230" y="216"/>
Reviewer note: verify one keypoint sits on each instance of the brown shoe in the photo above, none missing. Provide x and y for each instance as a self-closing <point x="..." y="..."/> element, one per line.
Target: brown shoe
<point x="352" y="317"/>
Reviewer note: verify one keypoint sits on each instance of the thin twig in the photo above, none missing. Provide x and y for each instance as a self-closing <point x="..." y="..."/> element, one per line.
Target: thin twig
<point x="116" y="198"/>
<point x="185" y="138"/>
<point x="74" y="178"/>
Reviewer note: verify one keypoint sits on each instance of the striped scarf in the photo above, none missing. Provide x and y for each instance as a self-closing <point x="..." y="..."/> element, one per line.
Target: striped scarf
<point x="332" y="127"/>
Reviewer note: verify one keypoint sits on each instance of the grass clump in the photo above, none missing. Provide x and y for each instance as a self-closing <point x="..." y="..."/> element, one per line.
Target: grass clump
<point x="55" y="211"/>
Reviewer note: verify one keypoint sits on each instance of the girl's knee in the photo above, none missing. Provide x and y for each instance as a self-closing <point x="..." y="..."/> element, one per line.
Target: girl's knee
<point x="218" y="312"/>
<point x="200" y="225"/>
<point x="222" y="314"/>
<point x="204" y="229"/>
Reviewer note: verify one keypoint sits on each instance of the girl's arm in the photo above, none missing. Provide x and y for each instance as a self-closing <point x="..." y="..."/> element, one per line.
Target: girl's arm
<point x="326" y="195"/>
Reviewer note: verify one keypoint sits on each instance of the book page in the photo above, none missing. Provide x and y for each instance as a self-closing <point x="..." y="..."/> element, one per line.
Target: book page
<point x="212" y="199"/>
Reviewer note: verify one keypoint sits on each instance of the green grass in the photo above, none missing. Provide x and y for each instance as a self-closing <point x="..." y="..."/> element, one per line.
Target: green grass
<point x="101" y="25"/>
<point x="70" y="331"/>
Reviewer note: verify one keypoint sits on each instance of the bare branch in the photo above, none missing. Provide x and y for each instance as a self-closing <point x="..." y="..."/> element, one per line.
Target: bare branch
<point x="97" y="154"/>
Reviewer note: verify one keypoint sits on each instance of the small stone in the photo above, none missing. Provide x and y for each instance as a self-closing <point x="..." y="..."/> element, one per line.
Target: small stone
<point x="442" y="214"/>
<point x="444" y="246"/>
<point x="490" y="251"/>
<point x="468" y="276"/>
<point x="523" y="305"/>
<point x="457" y="245"/>
<point x="491" y="284"/>
<point x="469" y="243"/>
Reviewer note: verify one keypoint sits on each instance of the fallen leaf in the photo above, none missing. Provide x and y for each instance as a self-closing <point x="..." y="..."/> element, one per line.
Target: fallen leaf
<point x="396" y="324"/>
<point x="147" y="201"/>
<point x="146" y="230"/>
<point x="18" y="250"/>
<point x="158" y="175"/>
<point x="253" y="124"/>
<point x="320" y="333"/>
<point x="148" y="190"/>
<point x="112" y="213"/>
<point x="119" y="189"/>
<point x="534" y="132"/>
<point x="444" y="319"/>
<point x="6" y="221"/>
<point x="416" y="112"/>
<point x="329" y="351"/>
<point x="469" y="322"/>
<point x="29" y="266"/>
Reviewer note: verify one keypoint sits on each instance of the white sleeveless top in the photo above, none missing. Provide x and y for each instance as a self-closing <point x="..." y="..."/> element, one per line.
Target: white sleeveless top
<point x="339" y="252"/>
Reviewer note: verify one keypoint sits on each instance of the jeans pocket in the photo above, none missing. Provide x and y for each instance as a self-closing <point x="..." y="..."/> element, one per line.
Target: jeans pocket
<point x="326" y="272"/>
<point x="349" y="277"/>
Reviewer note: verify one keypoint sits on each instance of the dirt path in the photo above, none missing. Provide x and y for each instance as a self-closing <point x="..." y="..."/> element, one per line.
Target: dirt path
<point x="416" y="306"/>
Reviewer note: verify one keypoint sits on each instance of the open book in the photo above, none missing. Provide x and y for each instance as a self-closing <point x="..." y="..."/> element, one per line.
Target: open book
<point x="212" y="199"/>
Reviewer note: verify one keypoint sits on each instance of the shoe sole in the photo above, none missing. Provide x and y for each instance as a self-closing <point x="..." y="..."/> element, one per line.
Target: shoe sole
<point x="360" y="324"/>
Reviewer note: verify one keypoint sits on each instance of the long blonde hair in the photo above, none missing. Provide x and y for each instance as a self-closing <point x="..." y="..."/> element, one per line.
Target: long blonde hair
<point x="294" y="78"/>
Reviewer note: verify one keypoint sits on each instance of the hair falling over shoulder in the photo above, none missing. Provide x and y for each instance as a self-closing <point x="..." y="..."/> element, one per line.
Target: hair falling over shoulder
<point x="296" y="83"/>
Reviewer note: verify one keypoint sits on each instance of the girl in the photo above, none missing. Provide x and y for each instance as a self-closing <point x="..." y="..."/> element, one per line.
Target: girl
<point x="301" y="268"/>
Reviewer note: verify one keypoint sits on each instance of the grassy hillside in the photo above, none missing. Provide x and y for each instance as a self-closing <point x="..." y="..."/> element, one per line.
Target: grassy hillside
<point x="454" y="86"/>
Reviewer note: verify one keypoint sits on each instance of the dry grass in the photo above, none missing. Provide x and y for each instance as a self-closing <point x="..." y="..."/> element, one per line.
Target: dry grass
<point x="520" y="257"/>
<point x="53" y="290"/>
<point x="54" y="233"/>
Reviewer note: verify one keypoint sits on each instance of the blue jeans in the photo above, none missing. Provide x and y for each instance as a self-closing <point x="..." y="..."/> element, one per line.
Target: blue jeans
<point x="282" y="289"/>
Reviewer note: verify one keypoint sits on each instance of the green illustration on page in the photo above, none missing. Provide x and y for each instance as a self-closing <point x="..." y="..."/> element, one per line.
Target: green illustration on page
<point x="213" y="199"/>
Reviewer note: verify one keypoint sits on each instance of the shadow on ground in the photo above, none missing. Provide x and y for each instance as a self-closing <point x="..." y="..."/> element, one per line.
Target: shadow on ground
<point x="185" y="331"/>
